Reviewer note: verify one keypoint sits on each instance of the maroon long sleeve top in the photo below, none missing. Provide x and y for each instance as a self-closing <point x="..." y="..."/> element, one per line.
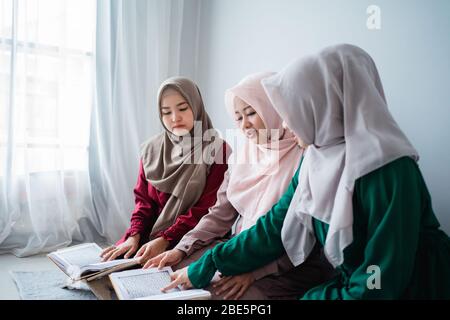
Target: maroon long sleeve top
<point x="149" y="203"/>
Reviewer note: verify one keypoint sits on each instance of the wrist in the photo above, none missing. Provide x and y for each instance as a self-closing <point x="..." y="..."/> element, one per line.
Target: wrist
<point x="181" y="253"/>
<point x="164" y="242"/>
<point x="136" y="237"/>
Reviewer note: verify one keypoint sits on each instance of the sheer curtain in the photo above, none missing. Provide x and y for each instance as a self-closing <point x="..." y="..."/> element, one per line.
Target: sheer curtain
<point x="46" y="96"/>
<point x="78" y="81"/>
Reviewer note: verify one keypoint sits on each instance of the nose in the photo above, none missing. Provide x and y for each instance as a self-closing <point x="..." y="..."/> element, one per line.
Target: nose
<point x="175" y="116"/>
<point x="245" y="123"/>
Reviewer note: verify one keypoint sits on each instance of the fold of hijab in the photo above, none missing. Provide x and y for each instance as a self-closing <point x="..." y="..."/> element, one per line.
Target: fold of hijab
<point x="262" y="172"/>
<point x="333" y="101"/>
<point x="179" y="166"/>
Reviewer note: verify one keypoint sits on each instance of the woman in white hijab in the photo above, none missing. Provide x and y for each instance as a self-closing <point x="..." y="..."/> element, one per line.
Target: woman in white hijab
<point x="359" y="192"/>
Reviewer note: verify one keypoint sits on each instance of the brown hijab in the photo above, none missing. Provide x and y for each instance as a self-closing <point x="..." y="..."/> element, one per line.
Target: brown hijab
<point x="177" y="165"/>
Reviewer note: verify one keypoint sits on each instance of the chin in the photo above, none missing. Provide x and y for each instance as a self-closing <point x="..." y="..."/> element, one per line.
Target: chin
<point x="180" y="132"/>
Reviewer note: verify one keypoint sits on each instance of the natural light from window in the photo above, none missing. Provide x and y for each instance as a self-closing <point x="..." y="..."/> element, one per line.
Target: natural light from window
<point x="46" y="84"/>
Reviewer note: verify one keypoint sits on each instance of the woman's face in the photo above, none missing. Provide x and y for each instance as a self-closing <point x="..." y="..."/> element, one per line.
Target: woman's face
<point x="176" y="113"/>
<point x="248" y="120"/>
<point x="297" y="139"/>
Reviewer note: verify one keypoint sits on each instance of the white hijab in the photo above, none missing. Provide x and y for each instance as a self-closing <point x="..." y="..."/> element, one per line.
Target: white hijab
<point x="333" y="101"/>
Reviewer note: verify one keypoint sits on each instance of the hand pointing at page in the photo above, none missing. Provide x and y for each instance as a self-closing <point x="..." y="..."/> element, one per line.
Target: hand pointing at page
<point x="179" y="277"/>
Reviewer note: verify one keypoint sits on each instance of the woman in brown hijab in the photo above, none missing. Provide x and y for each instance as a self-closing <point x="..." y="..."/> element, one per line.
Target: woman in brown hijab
<point x="181" y="170"/>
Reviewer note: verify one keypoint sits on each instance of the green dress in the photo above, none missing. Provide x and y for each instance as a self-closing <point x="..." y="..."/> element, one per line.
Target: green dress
<point x="394" y="228"/>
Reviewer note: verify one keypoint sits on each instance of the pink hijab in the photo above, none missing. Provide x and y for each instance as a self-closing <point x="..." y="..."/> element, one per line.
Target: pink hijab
<point x="262" y="172"/>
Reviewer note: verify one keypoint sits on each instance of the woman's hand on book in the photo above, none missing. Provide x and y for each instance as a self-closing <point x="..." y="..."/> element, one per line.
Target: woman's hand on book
<point x="152" y="249"/>
<point x="235" y="285"/>
<point x="179" y="277"/>
<point x="168" y="258"/>
<point x="128" y="248"/>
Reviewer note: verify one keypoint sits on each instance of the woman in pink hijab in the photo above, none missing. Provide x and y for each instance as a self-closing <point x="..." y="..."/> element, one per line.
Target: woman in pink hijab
<point x="262" y="172"/>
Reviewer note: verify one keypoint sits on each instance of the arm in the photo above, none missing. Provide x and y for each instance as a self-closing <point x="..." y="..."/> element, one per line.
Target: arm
<point x="216" y="224"/>
<point x="249" y="250"/>
<point x="186" y="222"/>
<point x="144" y="212"/>
<point x="390" y="201"/>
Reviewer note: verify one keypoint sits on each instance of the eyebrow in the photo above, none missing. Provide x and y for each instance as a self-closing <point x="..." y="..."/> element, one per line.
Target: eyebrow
<point x="178" y="104"/>
<point x="243" y="109"/>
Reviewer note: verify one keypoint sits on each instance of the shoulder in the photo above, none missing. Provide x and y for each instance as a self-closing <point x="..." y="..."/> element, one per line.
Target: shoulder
<point x="150" y="145"/>
<point x="398" y="175"/>
<point x="401" y="167"/>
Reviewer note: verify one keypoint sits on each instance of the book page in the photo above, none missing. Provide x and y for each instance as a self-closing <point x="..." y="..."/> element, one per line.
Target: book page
<point x="81" y="256"/>
<point x="146" y="284"/>
<point x="110" y="264"/>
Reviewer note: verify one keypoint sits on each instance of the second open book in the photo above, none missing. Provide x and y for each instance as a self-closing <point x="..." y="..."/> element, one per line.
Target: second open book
<point x="146" y="284"/>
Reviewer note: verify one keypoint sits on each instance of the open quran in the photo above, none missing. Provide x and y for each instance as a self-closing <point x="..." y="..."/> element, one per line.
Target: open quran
<point x="83" y="262"/>
<point x="146" y="284"/>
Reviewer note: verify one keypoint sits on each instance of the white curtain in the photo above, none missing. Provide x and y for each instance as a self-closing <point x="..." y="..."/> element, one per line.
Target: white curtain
<point x="46" y="97"/>
<point x="77" y="98"/>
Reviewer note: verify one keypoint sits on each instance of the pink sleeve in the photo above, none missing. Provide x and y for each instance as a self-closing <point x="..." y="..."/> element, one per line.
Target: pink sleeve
<point x="214" y="225"/>
<point x="186" y="222"/>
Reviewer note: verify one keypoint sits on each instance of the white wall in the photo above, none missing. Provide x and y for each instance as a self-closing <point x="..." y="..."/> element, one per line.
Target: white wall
<point x="411" y="50"/>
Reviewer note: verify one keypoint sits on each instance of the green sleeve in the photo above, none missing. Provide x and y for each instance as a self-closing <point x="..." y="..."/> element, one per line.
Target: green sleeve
<point x="389" y="200"/>
<point x="202" y="271"/>
<point x="249" y="250"/>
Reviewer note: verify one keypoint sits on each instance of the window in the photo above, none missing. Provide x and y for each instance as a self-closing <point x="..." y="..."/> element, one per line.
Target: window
<point x="46" y="84"/>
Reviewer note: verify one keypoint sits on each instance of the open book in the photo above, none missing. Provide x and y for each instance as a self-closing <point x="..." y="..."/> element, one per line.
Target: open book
<point x="146" y="284"/>
<point x="83" y="262"/>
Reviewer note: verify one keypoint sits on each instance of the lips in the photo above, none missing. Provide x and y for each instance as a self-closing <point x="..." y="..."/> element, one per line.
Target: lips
<point x="250" y="133"/>
<point x="178" y="126"/>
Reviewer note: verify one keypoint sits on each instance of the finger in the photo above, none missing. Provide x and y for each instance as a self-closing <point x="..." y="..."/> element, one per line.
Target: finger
<point x="108" y="255"/>
<point x="241" y="292"/>
<point x="146" y="252"/>
<point x="226" y="286"/>
<point x="117" y="253"/>
<point x="221" y="282"/>
<point x="232" y="291"/>
<point x="114" y="254"/>
<point x="147" y="265"/>
<point x="109" y="252"/>
<point x="106" y="250"/>
<point x="173" y="284"/>
<point x="153" y="262"/>
<point x="129" y="252"/>
<point x="163" y="262"/>
<point x="140" y="252"/>
<point x="145" y="257"/>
